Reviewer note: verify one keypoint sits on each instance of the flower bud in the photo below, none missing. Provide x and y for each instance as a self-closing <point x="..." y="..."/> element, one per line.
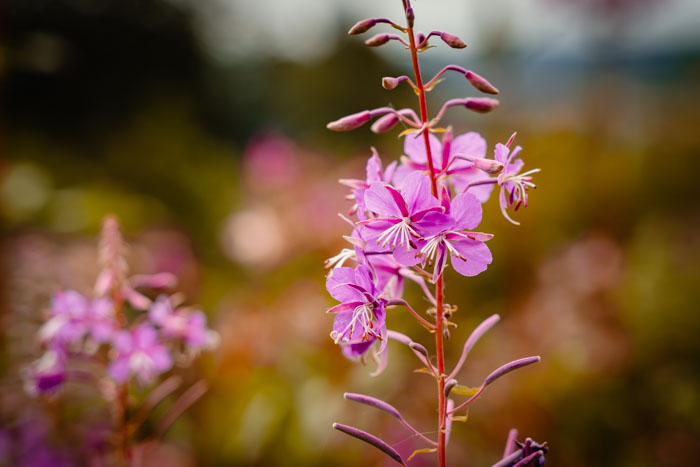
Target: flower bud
<point x="480" y="83"/>
<point x="379" y="39"/>
<point x="410" y="17"/>
<point x="420" y="38"/>
<point x="350" y="122"/>
<point x="490" y="166"/>
<point x="362" y="26"/>
<point x="390" y="83"/>
<point x="452" y="40"/>
<point x="385" y="123"/>
<point x="481" y="104"/>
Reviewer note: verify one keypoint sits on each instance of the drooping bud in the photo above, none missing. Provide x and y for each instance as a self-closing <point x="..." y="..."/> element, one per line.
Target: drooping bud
<point x="362" y="26"/>
<point x="449" y="385"/>
<point x="410" y="17"/>
<point x="385" y="123"/>
<point x="390" y="83"/>
<point x="452" y="40"/>
<point x="480" y="83"/>
<point x="350" y="122"/>
<point x="481" y="104"/>
<point x="420" y="38"/>
<point x="379" y="39"/>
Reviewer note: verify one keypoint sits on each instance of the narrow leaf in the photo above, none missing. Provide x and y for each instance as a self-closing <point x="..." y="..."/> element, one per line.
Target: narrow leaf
<point x="464" y="391"/>
<point x="420" y="451"/>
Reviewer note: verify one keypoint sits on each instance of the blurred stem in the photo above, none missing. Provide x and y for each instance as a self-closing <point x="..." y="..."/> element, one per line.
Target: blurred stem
<point x="442" y="400"/>
<point x="123" y="398"/>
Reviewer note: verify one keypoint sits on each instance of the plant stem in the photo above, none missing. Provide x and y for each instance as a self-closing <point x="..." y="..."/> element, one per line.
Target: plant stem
<point x="442" y="400"/>
<point x="123" y="398"/>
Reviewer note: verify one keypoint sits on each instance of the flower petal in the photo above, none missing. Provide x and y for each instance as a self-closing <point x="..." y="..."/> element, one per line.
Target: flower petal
<point x="466" y="211"/>
<point x="414" y="147"/>
<point x="379" y="200"/>
<point x="477" y="255"/>
<point x="416" y="191"/>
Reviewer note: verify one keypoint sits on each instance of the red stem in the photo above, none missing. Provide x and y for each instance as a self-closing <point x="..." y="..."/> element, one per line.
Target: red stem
<point x="442" y="400"/>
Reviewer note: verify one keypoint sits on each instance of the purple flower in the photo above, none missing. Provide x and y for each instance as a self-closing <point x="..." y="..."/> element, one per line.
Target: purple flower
<point x="190" y="326"/>
<point x="447" y="161"/>
<point x="73" y="316"/>
<point x="405" y="216"/>
<point x="47" y="374"/>
<point x="374" y="173"/>
<point x="360" y="317"/>
<point x="514" y="185"/>
<point x="139" y="353"/>
<point x="468" y="252"/>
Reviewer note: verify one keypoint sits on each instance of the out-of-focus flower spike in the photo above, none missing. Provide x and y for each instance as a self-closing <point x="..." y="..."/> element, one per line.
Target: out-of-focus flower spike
<point x="385" y="123"/>
<point x="508" y="367"/>
<point x="373" y="402"/>
<point x="161" y="280"/>
<point x="473" y="338"/>
<point x="370" y="439"/>
<point x="511" y="139"/>
<point x="111" y="251"/>
<point x="350" y="122"/>
<point x="452" y="40"/>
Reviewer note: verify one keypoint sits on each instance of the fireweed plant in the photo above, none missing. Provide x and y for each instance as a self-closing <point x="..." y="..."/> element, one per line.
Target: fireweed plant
<point x="118" y="340"/>
<point x="413" y="219"/>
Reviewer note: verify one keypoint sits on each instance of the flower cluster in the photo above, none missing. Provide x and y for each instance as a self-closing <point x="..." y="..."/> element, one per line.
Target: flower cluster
<point x="413" y="219"/>
<point x="96" y="328"/>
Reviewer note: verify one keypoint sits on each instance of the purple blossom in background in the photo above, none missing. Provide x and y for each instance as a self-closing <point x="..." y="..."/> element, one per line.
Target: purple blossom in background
<point x="360" y="317"/>
<point x="47" y="374"/>
<point x="140" y="354"/>
<point x="74" y="316"/>
<point x="190" y="326"/>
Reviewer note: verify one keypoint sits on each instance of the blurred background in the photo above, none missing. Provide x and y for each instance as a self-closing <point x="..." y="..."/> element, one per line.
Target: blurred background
<point x="201" y="124"/>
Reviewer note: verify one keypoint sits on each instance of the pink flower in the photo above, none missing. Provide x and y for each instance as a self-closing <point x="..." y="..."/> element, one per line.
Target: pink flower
<point x="190" y="326"/>
<point x="514" y="185"/>
<point x="140" y="354"/>
<point x="404" y="216"/>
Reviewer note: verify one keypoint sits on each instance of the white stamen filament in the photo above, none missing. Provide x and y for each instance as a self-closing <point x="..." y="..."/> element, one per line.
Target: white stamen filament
<point x="398" y="234"/>
<point x="362" y="316"/>
<point x="340" y="259"/>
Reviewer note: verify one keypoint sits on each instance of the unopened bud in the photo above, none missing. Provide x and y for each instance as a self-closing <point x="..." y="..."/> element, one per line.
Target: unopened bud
<point x="420" y="37"/>
<point x="481" y="104"/>
<point x="379" y="39"/>
<point x="487" y="165"/>
<point x="390" y="83"/>
<point x="449" y="385"/>
<point x="452" y="40"/>
<point x="410" y="17"/>
<point x="362" y="26"/>
<point x="350" y="122"/>
<point x="385" y="123"/>
<point x="480" y="83"/>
